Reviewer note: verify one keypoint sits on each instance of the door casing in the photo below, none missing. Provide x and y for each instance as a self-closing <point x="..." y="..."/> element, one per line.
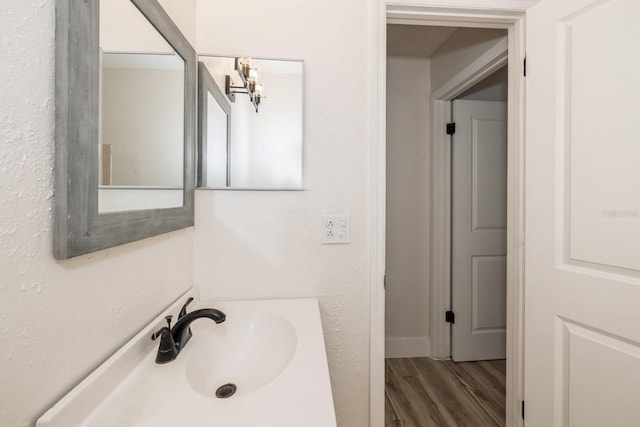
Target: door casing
<point x="508" y="15"/>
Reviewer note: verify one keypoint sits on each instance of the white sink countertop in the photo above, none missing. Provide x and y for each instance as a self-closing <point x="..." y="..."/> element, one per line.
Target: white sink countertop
<point x="273" y="350"/>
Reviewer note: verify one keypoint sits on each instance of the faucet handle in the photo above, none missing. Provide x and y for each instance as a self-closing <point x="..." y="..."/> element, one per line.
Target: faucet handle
<point x="183" y="311"/>
<point x="157" y="334"/>
<point x="160" y="331"/>
<point x="167" y="350"/>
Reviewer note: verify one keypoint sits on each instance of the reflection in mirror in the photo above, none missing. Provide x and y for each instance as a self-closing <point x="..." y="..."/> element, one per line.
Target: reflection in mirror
<point x="217" y="149"/>
<point x="213" y="133"/>
<point x="141" y="114"/>
<point x="264" y="148"/>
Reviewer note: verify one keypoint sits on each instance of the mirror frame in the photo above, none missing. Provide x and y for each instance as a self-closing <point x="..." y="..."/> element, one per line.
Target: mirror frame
<point x="79" y="227"/>
<point x="207" y="85"/>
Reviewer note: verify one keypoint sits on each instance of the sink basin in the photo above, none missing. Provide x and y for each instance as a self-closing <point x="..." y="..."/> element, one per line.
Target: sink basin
<point x="248" y="350"/>
<point x="272" y="350"/>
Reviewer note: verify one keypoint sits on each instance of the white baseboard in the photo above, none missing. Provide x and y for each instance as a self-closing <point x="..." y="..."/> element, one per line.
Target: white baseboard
<point x="406" y="347"/>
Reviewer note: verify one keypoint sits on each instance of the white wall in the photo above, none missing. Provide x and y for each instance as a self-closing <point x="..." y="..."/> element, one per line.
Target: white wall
<point x="493" y="88"/>
<point x="123" y="28"/>
<point x="143" y="120"/>
<point x="251" y="244"/>
<point x="276" y="133"/>
<point x="114" y="199"/>
<point x="59" y="320"/>
<point x="462" y="48"/>
<point x="408" y="208"/>
<point x="183" y="14"/>
<point x="510" y="5"/>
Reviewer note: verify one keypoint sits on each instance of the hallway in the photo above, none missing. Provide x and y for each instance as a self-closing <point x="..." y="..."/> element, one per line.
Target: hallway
<point x="422" y="392"/>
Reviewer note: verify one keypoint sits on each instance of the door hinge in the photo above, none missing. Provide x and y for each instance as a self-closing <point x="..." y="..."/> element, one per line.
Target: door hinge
<point x="522" y="409"/>
<point x="449" y="317"/>
<point x="451" y="128"/>
<point x="524" y="66"/>
<point x="384" y="282"/>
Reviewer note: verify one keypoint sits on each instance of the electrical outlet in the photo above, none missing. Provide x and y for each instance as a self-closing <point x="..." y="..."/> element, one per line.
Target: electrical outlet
<point x="335" y="229"/>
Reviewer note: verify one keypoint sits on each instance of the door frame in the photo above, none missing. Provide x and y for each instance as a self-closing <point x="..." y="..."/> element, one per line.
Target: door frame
<point x="503" y="14"/>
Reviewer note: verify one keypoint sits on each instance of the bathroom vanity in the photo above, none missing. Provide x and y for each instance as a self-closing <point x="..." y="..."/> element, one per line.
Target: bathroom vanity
<point x="267" y="362"/>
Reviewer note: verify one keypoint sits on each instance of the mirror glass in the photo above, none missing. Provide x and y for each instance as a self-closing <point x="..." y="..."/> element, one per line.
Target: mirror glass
<point x="141" y="113"/>
<point x="250" y="141"/>
<point x="217" y="150"/>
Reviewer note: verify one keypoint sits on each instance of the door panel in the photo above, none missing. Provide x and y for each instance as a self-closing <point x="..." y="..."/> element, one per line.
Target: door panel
<point x="488" y="290"/>
<point x="602" y="142"/>
<point x="582" y="258"/>
<point x="606" y="395"/>
<point x="478" y="244"/>
<point x="489" y="173"/>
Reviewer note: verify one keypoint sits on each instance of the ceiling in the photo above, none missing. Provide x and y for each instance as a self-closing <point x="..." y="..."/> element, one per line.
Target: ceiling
<point x="415" y="40"/>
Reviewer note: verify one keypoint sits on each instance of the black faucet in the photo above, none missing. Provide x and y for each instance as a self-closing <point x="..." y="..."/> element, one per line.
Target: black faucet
<point x="173" y="340"/>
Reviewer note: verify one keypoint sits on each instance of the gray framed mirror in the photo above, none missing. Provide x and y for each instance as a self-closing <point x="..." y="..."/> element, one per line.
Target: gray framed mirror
<point x="250" y="139"/>
<point x="125" y="125"/>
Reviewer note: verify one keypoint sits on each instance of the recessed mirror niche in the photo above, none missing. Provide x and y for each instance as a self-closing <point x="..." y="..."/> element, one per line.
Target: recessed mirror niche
<point x="250" y="114"/>
<point x="141" y="125"/>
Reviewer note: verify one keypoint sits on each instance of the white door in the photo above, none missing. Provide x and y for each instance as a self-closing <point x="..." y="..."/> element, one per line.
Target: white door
<point x="582" y="279"/>
<point x="479" y="230"/>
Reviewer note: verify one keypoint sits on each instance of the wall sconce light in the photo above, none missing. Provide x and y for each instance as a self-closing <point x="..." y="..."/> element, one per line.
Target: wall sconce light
<point x="249" y="79"/>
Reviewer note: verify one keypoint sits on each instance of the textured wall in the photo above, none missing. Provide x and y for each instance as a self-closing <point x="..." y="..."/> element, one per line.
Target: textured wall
<point x="252" y="244"/>
<point x="408" y="208"/>
<point x="59" y="320"/>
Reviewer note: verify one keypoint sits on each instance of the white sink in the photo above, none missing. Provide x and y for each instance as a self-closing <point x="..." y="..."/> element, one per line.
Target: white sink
<point x="273" y="351"/>
<point x="248" y="350"/>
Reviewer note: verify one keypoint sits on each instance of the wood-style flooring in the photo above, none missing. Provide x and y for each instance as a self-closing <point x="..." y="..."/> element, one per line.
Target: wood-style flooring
<point x="422" y="392"/>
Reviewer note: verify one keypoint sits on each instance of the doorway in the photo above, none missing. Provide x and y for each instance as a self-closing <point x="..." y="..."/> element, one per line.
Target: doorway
<point x="479" y="175"/>
<point x="427" y="56"/>
<point x="438" y="339"/>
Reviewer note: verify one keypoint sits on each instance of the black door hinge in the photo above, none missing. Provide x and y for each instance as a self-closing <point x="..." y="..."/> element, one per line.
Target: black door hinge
<point x="449" y="317"/>
<point x="524" y="66"/>
<point x="451" y="128"/>
<point x="523" y="409"/>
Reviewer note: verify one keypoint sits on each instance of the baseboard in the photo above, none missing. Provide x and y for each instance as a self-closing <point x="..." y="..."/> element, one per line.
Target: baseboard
<point x="406" y="347"/>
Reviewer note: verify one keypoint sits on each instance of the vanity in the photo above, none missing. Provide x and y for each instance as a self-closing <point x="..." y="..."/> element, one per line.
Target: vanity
<point x="131" y="112"/>
<point x="272" y="351"/>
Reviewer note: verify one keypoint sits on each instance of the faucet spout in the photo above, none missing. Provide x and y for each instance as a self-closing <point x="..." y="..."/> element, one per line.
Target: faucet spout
<point x="173" y="340"/>
<point x="182" y="325"/>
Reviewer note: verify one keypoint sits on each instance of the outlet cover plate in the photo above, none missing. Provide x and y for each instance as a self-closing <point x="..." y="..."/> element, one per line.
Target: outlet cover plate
<point x="335" y="229"/>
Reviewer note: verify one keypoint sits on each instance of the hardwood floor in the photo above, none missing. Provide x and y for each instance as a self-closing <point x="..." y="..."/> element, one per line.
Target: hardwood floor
<point x="422" y="392"/>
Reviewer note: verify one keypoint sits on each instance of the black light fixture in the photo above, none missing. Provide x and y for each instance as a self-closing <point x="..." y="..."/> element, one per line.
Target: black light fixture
<point x="249" y="79"/>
